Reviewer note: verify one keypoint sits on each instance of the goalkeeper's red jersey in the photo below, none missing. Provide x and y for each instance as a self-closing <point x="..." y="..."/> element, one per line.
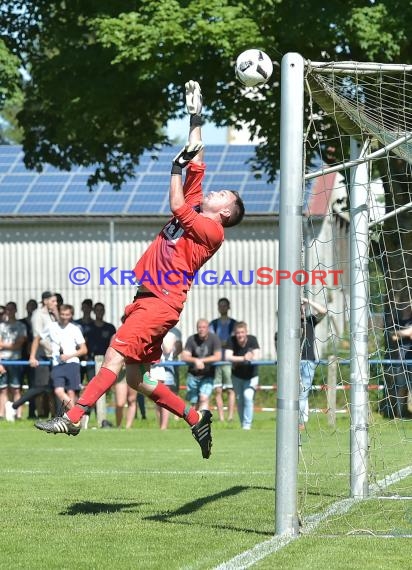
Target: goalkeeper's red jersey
<point x="184" y="244"/>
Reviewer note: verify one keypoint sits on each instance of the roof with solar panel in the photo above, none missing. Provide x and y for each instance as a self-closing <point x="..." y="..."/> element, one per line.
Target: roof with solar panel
<point x="59" y="193"/>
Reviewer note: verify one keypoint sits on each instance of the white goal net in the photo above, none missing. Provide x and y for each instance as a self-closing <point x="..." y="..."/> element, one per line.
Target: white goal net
<point x="354" y="456"/>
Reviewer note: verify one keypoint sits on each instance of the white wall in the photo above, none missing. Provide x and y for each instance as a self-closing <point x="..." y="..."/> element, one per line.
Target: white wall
<point x="38" y="256"/>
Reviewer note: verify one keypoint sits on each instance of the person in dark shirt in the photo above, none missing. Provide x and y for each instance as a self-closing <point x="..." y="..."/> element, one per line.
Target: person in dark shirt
<point x="242" y="349"/>
<point x="201" y="350"/>
<point x="100" y="333"/>
<point x="223" y="326"/>
<point x="86" y="323"/>
<point x="27" y="371"/>
<point x="401" y="404"/>
<point x="311" y="315"/>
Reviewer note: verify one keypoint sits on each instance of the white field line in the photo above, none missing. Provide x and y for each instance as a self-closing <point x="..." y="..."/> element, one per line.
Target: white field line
<point x="268" y="547"/>
<point x="83" y="472"/>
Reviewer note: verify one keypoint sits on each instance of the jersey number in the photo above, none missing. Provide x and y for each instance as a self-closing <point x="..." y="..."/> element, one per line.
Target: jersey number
<point x="173" y="230"/>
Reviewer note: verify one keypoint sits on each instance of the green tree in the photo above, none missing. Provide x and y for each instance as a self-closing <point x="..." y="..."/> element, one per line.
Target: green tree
<point x="107" y="75"/>
<point x="10" y="93"/>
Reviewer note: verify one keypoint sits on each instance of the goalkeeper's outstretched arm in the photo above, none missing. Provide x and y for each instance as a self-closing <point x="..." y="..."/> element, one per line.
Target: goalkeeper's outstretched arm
<point x="194" y="103"/>
<point x="193" y="151"/>
<point x="180" y="161"/>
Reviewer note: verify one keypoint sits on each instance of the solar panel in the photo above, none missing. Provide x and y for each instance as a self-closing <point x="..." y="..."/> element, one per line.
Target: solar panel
<point x="10" y="149"/>
<point x="36" y="208"/>
<point x="148" y="208"/>
<point x="158" y="189"/>
<point x="258" y="194"/>
<point x="60" y="178"/>
<point x="51" y="189"/>
<point x="126" y="189"/>
<point x="158" y="178"/>
<point x="9" y="179"/>
<point x="69" y="208"/>
<point x="113" y="198"/>
<point x="19" y="168"/>
<point x="227" y="179"/>
<point x="39" y="199"/>
<point x="105" y="207"/>
<point x="54" y="191"/>
<point x="80" y="178"/>
<point x="70" y="197"/>
<point x="256" y="207"/>
<point x="252" y="188"/>
<point x="12" y="189"/>
<point x="8" y="208"/>
<point x="147" y="198"/>
<point x="237" y="159"/>
<point x="79" y="190"/>
<point x="11" y="198"/>
<point x="48" y="168"/>
<point x="212" y="187"/>
<point x="239" y="148"/>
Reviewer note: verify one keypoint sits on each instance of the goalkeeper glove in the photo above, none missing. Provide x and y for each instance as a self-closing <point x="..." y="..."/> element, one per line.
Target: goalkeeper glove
<point x="194" y="102"/>
<point x="182" y="159"/>
<point x="193" y="98"/>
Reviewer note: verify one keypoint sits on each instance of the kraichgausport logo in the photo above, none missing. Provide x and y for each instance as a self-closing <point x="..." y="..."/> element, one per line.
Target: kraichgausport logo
<point x="262" y="276"/>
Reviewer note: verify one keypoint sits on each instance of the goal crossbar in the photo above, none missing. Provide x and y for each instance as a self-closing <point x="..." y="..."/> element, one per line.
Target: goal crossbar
<point x="373" y="99"/>
<point x="349" y="164"/>
<point x="354" y="67"/>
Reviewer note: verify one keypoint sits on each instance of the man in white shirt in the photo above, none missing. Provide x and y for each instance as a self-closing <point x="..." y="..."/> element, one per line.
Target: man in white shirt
<point x="41" y="319"/>
<point x="67" y="345"/>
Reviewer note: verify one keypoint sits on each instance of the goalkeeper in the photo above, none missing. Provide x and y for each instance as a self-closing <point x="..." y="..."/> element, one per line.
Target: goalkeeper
<point x="182" y="247"/>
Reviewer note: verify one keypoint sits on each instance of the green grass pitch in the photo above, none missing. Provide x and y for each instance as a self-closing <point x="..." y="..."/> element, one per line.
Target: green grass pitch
<point x="145" y="499"/>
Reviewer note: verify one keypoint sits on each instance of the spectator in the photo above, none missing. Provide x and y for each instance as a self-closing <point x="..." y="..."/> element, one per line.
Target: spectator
<point x="67" y="346"/>
<point x="311" y="314"/>
<point x="242" y="350"/>
<point x="201" y="350"/>
<point x="223" y="327"/>
<point x="140" y="397"/>
<point x="2" y="313"/>
<point x="141" y="402"/>
<point x="86" y="324"/>
<point x="124" y="394"/>
<point x="100" y="333"/>
<point x="27" y="371"/>
<point x="13" y="335"/>
<point x="169" y="375"/>
<point x="402" y="373"/>
<point x="59" y="300"/>
<point x="31" y="306"/>
<point x="41" y="319"/>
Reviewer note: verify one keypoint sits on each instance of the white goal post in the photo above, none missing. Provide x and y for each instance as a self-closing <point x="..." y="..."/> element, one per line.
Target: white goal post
<point x="368" y="108"/>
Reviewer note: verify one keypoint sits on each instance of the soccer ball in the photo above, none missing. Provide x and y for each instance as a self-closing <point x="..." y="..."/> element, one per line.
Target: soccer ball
<point x="253" y="67"/>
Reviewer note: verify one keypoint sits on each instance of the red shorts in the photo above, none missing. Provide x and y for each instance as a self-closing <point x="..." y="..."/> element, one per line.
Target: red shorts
<point x="140" y="337"/>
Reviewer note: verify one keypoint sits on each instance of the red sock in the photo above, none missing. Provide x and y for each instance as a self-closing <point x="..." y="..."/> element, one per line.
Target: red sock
<point x="97" y="386"/>
<point x="192" y="417"/>
<point x="165" y="398"/>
